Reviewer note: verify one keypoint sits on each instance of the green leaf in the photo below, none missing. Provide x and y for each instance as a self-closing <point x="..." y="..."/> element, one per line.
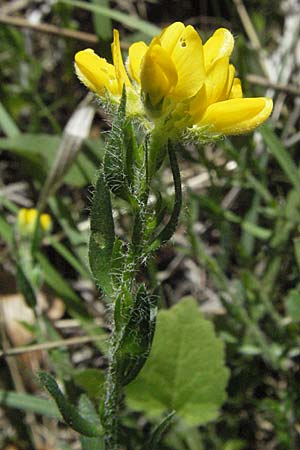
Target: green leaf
<point x="158" y="432"/>
<point x="67" y="410"/>
<point x="91" y="381"/>
<point x="40" y="150"/>
<point x="54" y="279"/>
<point x="102" y="236"/>
<point x="283" y="157"/>
<point x="25" y="287"/>
<point x="292" y="304"/>
<point x="171" y="226"/>
<point x="7" y="124"/>
<point x="30" y="403"/>
<point x="69" y="257"/>
<point x="6" y="230"/>
<point x="185" y="371"/>
<point x="88" y="412"/>
<point x="135" y="344"/>
<point x="126" y="19"/>
<point x="102" y="24"/>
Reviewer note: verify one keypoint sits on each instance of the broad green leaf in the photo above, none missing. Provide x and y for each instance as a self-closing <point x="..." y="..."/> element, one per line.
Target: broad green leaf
<point x="185" y="371"/>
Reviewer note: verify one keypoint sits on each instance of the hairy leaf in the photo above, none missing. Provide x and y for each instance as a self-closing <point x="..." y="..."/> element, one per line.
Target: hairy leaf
<point x="102" y="236"/>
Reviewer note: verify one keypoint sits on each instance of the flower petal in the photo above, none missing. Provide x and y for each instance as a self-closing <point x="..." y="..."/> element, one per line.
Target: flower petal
<point x="236" y="90"/>
<point x="118" y="62"/>
<point x="95" y="72"/>
<point x="170" y="35"/>
<point x="220" y="44"/>
<point x="158" y="73"/>
<point x="216" y="80"/>
<point x="237" y="116"/>
<point x="187" y="56"/>
<point x="135" y="56"/>
<point x="230" y="79"/>
<point x="198" y="104"/>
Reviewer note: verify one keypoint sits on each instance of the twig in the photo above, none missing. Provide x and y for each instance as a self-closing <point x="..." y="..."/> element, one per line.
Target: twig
<point x="261" y="81"/>
<point x="49" y="28"/>
<point x="50" y="345"/>
<point x="252" y="35"/>
<point x="246" y="21"/>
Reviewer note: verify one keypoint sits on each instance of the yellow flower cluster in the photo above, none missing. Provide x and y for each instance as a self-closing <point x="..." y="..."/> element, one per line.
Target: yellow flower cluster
<point x="27" y="219"/>
<point x="176" y="72"/>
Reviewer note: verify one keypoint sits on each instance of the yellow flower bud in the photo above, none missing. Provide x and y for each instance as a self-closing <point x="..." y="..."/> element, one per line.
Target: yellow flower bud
<point x="27" y="219"/>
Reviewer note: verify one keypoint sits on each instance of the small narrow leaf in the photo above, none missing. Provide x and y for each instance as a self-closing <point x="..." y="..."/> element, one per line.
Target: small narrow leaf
<point x="170" y="228"/>
<point x="185" y="371"/>
<point x="136" y="341"/>
<point x="102" y="236"/>
<point x="25" y="287"/>
<point x="67" y="410"/>
<point x="126" y="19"/>
<point x="281" y="155"/>
<point x="27" y="402"/>
<point x="158" y="432"/>
<point x="87" y="410"/>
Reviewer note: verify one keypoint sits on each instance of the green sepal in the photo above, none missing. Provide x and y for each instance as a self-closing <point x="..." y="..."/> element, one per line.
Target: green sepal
<point x="158" y="432"/>
<point x="88" y="412"/>
<point x="135" y="343"/>
<point x="102" y="236"/>
<point x="115" y="172"/>
<point x="133" y="154"/>
<point x="68" y="410"/>
<point x="26" y="287"/>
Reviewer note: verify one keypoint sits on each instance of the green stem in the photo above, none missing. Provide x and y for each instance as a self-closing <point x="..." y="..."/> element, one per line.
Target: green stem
<point x="112" y="398"/>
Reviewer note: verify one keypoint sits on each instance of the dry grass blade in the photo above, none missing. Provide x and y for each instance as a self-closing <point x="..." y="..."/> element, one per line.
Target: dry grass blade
<point x="51" y="345"/>
<point x="76" y="130"/>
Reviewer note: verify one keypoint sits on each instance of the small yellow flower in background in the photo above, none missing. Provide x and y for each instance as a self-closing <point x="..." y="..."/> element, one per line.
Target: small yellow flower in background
<point x="27" y="218"/>
<point x="179" y="80"/>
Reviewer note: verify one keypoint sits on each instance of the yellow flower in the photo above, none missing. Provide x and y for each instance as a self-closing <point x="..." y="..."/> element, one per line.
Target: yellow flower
<point x="27" y="219"/>
<point x="189" y="85"/>
<point x="98" y="75"/>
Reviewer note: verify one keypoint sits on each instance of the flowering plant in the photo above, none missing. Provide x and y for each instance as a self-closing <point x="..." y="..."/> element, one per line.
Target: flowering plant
<point x="178" y="81"/>
<point x="173" y="91"/>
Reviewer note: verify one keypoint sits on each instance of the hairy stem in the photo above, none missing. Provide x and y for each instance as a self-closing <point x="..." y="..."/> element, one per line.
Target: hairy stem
<point x="112" y="398"/>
